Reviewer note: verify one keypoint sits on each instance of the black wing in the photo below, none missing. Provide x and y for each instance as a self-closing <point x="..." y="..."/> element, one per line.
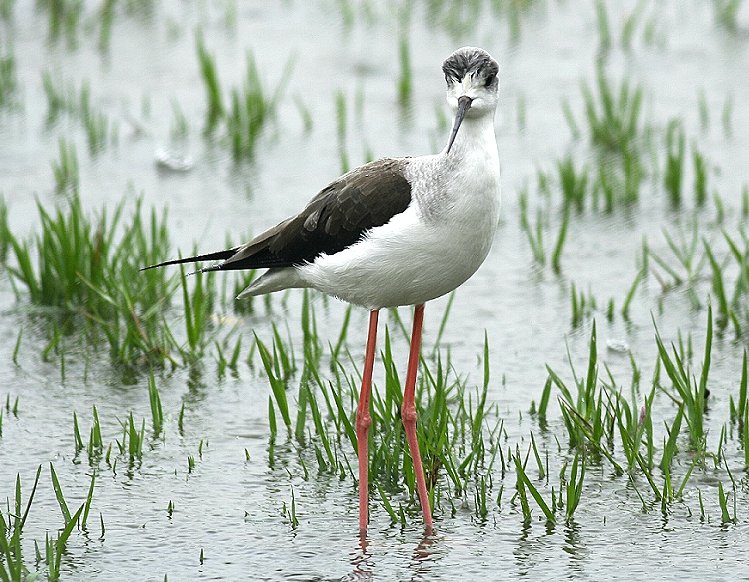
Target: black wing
<point x="336" y="218"/>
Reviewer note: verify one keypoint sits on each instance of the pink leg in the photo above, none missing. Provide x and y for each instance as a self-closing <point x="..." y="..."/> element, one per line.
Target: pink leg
<point x="408" y="414"/>
<point x="364" y="420"/>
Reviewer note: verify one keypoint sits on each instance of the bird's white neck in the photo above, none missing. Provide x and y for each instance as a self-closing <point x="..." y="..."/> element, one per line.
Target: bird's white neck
<point x="475" y="142"/>
<point x="475" y="138"/>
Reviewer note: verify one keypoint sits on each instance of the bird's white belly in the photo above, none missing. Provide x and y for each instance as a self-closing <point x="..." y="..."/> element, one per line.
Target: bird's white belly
<point x="407" y="261"/>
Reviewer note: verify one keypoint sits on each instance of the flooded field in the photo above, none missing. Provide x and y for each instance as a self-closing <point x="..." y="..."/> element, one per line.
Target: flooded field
<point x="583" y="398"/>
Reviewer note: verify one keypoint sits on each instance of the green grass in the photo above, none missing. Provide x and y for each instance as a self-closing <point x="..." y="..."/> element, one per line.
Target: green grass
<point x="574" y="183"/>
<point x="727" y="116"/>
<point x="630" y="26"/>
<point x="133" y="438"/>
<point x="691" y="394"/>
<point x="328" y="406"/>
<point x="573" y="487"/>
<point x="64" y="99"/>
<point x="534" y="233"/>
<point x="157" y="413"/>
<point x="198" y="305"/>
<point x="700" y="176"/>
<point x="466" y="451"/>
<point x="247" y="110"/>
<point x="674" y="165"/>
<point x="619" y="181"/>
<point x="724" y="263"/>
<point x="738" y="407"/>
<point x="180" y="129"/>
<point x="13" y="565"/>
<point x="5" y="233"/>
<point x="582" y="305"/>
<point x="631" y="294"/>
<point x="405" y="80"/>
<point x="65" y="170"/>
<point x="8" y="81"/>
<point x="604" y="28"/>
<point x="209" y="74"/>
<point x="64" y="19"/>
<point x="250" y="109"/>
<point x="6" y="9"/>
<point x="341" y="130"/>
<point x="106" y="19"/>
<point x="726" y="12"/>
<point x="459" y="429"/>
<point x="613" y="114"/>
<point x="95" y="443"/>
<point x="89" y="268"/>
<point x="523" y="484"/>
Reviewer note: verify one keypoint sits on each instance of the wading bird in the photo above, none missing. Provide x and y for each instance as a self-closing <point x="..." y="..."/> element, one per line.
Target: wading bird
<point x="396" y="231"/>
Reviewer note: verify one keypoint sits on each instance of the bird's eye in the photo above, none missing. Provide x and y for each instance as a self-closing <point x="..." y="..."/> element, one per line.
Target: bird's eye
<point x="490" y="80"/>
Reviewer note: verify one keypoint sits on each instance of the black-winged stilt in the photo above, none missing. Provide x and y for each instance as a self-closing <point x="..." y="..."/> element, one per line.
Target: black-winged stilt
<point x="397" y="231"/>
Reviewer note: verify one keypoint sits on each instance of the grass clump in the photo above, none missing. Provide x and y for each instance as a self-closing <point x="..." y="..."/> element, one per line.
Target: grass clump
<point x="674" y="168"/>
<point x="65" y="170"/>
<point x="13" y="566"/>
<point x="249" y="108"/>
<point x="727" y="269"/>
<point x="457" y="429"/>
<point x="5" y="234"/>
<point x="8" y="81"/>
<point x="613" y="116"/>
<point x="65" y="17"/>
<point x="132" y="439"/>
<point x="733" y="304"/>
<point x="692" y="394"/>
<point x="535" y="232"/>
<point x="12" y="563"/>
<point x="89" y="269"/>
<point x="405" y="81"/>
<point x="157" y="413"/>
<point x="65" y="99"/>
<point x="462" y="437"/>
<point x="726" y="14"/>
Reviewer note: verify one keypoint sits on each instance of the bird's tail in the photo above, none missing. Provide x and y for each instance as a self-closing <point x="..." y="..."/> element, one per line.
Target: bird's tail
<point x="217" y="256"/>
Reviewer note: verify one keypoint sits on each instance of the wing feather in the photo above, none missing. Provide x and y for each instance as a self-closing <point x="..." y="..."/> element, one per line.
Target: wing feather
<point x="337" y="217"/>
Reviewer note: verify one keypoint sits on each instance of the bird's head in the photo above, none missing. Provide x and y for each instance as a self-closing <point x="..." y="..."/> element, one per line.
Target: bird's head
<point x="472" y="77"/>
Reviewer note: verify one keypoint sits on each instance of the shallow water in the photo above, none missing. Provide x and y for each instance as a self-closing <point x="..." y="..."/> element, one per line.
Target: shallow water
<point x="230" y="508"/>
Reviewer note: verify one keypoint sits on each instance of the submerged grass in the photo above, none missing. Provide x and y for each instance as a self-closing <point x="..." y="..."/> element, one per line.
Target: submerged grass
<point x="405" y="81"/>
<point x="8" y="81"/>
<point x="461" y="433"/>
<point x="726" y="14"/>
<point x="249" y="108"/>
<point x="724" y="263"/>
<point x="691" y="394"/>
<point x="675" y="155"/>
<point x="65" y="99"/>
<point x="613" y="115"/>
<point x="89" y="268"/>
<point x="65" y="170"/>
<point x="13" y="565"/>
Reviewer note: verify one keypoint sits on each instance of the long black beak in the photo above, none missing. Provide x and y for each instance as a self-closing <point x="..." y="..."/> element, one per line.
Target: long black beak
<point x="464" y="104"/>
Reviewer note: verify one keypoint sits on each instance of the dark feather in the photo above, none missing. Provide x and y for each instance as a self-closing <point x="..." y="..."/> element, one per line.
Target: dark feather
<point x="469" y="60"/>
<point x="336" y="218"/>
<point x="217" y="256"/>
